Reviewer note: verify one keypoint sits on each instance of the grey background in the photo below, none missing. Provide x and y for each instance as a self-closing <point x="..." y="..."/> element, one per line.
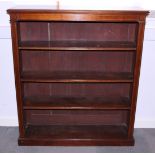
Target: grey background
<point x="144" y="142"/>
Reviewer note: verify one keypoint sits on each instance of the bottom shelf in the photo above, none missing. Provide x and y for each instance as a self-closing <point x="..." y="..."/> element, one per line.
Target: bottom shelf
<point x="79" y="135"/>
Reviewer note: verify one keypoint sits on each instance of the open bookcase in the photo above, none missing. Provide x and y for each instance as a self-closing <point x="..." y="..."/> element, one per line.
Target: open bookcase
<point x="77" y="75"/>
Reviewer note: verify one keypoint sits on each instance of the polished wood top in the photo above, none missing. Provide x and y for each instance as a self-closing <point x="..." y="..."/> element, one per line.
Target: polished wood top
<point x="70" y="9"/>
<point x="57" y="13"/>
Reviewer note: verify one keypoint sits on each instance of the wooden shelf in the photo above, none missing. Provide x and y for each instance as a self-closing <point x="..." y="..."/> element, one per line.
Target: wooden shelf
<point x="101" y="103"/>
<point x="76" y="132"/>
<point x="77" y="45"/>
<point x="97" y="77"/>
<point x="74" y="135"/>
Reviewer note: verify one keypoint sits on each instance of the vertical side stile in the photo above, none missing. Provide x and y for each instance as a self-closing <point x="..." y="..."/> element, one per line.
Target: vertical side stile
<point x="136" y="77"/>
<point x="14" y="34"/>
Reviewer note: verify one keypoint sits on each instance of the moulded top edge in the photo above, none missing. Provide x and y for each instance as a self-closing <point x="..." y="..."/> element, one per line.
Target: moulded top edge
<point x="67" y="9"/>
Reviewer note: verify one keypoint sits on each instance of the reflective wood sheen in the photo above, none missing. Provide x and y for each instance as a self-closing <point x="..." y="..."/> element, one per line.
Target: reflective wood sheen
<point x="76" y="75"/>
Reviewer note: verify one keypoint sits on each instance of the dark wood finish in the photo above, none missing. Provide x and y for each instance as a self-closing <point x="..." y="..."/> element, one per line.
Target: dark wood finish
<point x="14" y="34"/>
<point x="77" y="45"/>
<point x="71" y="135"/>
<point x="47" y="102"/>
<point x="77" y="89"/>
<point x="76" y="117"/>
<point x="50" y="14"/>
<point x="97" y="77"/>
<point x="77" y="65"/>
<point x="136" y="79"/>
<point x="32" y="132"/>
<point x="94" y="32"/>
<point x="76" y="74"/>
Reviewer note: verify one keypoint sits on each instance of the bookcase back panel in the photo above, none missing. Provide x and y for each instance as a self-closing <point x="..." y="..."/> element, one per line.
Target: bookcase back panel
<point x="79" y="31"/>
<point x="93" y="31"/>
<point x="89" y="90"/>
<point x="28" y="31"/>
<point x="81" y="61"/>
<point x="76" y="117"/>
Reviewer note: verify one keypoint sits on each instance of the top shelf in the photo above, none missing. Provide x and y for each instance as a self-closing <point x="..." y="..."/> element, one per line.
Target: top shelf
<point x="77" y="45"/>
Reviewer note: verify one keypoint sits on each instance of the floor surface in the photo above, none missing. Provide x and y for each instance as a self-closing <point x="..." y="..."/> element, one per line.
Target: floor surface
<point x="144" y="142"/>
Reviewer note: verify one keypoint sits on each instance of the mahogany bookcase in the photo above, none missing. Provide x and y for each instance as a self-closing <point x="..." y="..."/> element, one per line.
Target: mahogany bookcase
<point x="76" y="75"/>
